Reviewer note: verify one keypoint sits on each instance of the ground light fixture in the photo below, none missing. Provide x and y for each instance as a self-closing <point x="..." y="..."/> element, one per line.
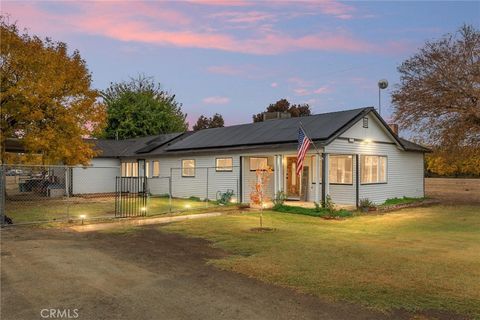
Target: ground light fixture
<point x="188" y="206"/>
<point x="82" y="216"/>
<point x="233" y="200"/>
<point x="143" y="209"/>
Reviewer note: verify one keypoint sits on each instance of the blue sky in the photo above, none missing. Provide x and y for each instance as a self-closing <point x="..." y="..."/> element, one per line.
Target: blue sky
<point x="237" y="57"/>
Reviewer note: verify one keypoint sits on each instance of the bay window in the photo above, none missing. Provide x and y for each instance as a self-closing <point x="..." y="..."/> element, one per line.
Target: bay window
<point x="373" y="169"/>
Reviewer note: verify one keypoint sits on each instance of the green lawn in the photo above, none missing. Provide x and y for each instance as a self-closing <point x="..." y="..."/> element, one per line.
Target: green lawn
<point x="417" y="259"/>
<point x="58" y="209"/>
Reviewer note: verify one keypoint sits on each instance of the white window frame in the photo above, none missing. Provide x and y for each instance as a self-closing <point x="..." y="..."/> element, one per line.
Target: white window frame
<point x="228" y="168"/>
<point x="362" y="160"/>
<point x="330" y="180"/>
<point x="184" y="173"/>
<point x="257" y="158"/>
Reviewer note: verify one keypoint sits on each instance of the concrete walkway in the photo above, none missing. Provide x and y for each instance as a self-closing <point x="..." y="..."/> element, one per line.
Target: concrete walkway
<point x="143" y="221"/>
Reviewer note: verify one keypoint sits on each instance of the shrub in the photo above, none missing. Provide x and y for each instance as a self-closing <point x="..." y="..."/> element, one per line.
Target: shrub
<point x="193" y="198"/>
<point x="279" y="198"/>
<point x="328" y="203"/>
<point x="366" y="203"/>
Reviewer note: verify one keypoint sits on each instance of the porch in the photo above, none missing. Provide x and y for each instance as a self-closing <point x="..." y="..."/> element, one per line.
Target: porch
<point x="308" y="187"/>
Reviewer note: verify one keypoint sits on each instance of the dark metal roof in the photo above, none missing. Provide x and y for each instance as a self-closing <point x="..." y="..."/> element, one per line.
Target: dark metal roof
<point x="318" y="127"/>
<point x="411" y="146"/>
<point x="131" y="147"/>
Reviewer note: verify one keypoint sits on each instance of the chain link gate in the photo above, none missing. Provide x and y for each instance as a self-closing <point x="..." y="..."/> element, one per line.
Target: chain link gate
<point x="131" y="197"/>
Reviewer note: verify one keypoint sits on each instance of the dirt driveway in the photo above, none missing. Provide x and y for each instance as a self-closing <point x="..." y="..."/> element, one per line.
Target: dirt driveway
<point x="145" y="274"/>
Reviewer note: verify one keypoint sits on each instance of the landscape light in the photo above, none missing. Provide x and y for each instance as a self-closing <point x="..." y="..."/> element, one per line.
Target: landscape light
<point x="233" y="200"/>
<point x="82" y="216"/>
<point x="188" y="206"/>
<point x="143" y="209"/>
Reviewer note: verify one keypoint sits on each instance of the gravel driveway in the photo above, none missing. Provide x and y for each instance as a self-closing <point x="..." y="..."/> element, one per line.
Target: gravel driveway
<point x="144" y="274"/>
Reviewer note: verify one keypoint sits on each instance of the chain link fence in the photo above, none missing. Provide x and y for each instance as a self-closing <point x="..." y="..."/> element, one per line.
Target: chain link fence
<point x="38" y="194"/>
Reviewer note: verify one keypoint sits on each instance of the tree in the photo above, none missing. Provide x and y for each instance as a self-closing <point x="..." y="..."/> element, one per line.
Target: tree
<point x="259" y="195"/>
<point x="139" y="108"/>
<point x="438" y="98"/>
<point x="204" y="123"/>
<point x="282" y="105"/>
<point x="46" y="98"/>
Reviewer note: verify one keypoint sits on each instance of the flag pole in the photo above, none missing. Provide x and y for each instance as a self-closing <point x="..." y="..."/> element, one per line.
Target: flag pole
<point x="313" y="143"/>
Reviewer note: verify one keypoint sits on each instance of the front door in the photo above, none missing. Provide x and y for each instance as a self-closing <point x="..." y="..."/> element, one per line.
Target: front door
<point x="293" y="182"/>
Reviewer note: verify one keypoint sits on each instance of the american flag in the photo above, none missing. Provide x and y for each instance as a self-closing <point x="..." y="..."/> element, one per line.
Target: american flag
<point x="303" y="144"/>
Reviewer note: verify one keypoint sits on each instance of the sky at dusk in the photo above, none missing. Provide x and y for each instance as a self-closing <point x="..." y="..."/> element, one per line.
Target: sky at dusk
<point x="236" y="57"/>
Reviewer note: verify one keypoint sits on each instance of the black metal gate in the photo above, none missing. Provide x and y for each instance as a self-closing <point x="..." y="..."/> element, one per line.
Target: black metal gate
<point x="131" y="197"/>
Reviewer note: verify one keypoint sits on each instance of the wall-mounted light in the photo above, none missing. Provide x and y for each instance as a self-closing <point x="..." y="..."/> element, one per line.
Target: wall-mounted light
<point x="367" y="141"/>
<point x="351" y="140"/>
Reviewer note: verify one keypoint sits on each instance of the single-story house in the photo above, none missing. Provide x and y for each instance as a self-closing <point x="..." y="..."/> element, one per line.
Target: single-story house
<point x="356" y="155"/>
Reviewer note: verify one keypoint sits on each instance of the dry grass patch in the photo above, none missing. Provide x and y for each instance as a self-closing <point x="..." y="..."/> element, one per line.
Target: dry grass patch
<point x="417" y="259"/>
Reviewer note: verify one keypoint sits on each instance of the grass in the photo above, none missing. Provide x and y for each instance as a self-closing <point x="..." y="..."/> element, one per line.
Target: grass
<point x="321" y="212"/>
<point x="416" y="259"/>
<point x="404" y="200"/>
<point x="61" y="209"/>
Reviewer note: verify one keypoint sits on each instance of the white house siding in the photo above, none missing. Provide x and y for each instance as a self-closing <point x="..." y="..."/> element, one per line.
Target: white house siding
<point x="206" y="183"/>
<point x="250" y="177"/>
<point x="375" y="131"/>
<point x="99" y="177"/>
<point x="404" y="173"/>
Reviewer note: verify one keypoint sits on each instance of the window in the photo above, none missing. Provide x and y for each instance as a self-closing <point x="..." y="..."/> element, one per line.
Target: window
<point x="224" y="164"/>
<point x="188" y="168"/>
<point x="340" y="169"/>
<point x="258" y="164"/>
<point x="314" y="169"/>
<point x="147" y="169"/>
<point x="134" y="169"/>
<point x="373" y="169"/>
<point x="156" y="168"/>
<point x="129" y="169"/>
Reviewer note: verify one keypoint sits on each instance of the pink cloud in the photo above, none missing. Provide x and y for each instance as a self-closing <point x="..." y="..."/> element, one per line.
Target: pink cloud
<point x="273" y="84"/>
<point x="216" y="100"/>
<point x="322" y="90"/>
<point x="153" y="23"/>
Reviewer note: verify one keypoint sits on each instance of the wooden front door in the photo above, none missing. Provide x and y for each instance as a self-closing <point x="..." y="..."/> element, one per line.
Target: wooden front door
<point x="293" y="182"/>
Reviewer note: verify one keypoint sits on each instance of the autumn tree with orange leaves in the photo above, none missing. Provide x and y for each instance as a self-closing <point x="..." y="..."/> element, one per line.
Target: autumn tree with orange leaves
<point x="46" y="98"/>
<point x="439" y="100"/>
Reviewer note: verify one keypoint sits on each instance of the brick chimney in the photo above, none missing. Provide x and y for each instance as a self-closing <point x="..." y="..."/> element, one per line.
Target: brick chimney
<point x="394" y="127"/>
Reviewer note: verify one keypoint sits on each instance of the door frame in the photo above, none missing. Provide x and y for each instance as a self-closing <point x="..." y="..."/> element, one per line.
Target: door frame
<point x="285" y="180"/>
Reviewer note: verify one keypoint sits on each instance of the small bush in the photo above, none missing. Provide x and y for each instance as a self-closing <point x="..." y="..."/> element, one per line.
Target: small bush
<point x="192" y="198"/>
<point x="279" y="198"/>
<point x="328" y="204"/>
<point x="366" y="203"/>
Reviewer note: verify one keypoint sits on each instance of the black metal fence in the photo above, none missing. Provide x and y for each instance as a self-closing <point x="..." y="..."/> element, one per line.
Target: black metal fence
<point x="131" y="197"/>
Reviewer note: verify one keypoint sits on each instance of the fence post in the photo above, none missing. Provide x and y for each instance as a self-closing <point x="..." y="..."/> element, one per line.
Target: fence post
<point x="170" y="190"/>
<point x="206" y="197"/>
<point x="3" y="192"/>
<point x="67" y="182"/>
